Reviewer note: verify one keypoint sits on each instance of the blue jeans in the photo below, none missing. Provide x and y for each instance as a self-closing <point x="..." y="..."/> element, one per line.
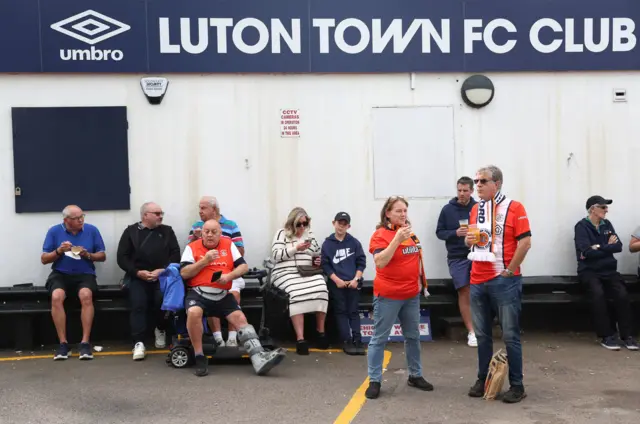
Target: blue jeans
<point x="502" y="297"/>
<point x="385" y="312"/>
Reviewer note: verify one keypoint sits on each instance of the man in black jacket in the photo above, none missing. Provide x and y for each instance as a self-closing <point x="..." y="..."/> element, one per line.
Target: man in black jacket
<point x="146" y="248"/>
<point x="596" y="241"/>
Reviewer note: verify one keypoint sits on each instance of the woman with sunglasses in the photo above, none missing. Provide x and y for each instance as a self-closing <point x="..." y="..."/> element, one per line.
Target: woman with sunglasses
<point x="295" y="249"/>
<point x="396" y="292"/>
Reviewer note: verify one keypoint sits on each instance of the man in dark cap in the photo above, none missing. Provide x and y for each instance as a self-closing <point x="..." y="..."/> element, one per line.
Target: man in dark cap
<point x="596" y="241"/>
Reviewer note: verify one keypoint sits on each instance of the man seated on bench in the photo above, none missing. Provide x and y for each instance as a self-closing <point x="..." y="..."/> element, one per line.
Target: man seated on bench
<point x="208" y="294"/>
<point x="209" y="208"/>
<point x="596" y="241"/>
<point x="72" y="247"/>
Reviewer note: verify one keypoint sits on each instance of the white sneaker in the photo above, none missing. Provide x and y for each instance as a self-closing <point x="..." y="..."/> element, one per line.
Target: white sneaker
<point x="471" y="340"/>
<point x="232" y="343"/>
<point x="220" y="342"/>
<point x="161" y="339"/>
<point x="139" y="352"/>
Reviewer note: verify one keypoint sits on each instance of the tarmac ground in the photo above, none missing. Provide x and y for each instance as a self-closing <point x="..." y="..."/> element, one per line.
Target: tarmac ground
<point x="569" y="378"/>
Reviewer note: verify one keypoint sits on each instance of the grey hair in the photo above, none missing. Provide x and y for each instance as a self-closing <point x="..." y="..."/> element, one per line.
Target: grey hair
<point x="495" y="172"/>
<point x="65" y="212"/>
<point x="212" y="201"/>
<point x="295" y="215"/>
<point x="143" y="208"/>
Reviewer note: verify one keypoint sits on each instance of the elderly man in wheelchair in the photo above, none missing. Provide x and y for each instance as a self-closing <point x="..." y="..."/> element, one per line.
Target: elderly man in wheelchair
<point x="208" y="266"/>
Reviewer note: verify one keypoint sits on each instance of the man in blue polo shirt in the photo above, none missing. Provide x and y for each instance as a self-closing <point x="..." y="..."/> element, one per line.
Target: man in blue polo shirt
<point x="72" y="247"/>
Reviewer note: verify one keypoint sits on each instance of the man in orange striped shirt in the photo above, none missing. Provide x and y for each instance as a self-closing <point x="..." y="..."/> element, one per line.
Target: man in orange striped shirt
<point x="498" y="248"/>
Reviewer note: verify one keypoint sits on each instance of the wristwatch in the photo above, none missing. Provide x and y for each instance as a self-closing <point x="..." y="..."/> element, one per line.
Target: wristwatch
<point x="509" y="272"/>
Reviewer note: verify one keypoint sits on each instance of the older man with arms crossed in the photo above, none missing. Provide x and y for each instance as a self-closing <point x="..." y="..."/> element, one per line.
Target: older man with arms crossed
<point x="499" y="239"/>
<point x="209" y="295"/>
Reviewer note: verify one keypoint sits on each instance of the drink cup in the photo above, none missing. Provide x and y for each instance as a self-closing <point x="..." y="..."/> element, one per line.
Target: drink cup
<point x="474" y="231"/>
<point x="464" y="223"/>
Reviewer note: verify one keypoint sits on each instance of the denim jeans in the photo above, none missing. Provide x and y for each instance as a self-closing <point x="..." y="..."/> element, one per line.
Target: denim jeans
<point x="502" y="297"/>
<point x="385" y="312"/>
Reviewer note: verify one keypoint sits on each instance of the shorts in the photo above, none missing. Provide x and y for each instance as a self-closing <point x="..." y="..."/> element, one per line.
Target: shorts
<point x="71" y="283"/>
<point x="212" y="308"/>
<point x="237" y="285"/>
<point x="460" y="270"/>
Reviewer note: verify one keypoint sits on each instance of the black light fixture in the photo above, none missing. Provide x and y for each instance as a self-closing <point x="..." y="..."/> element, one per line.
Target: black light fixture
<point x="477" y="91"/>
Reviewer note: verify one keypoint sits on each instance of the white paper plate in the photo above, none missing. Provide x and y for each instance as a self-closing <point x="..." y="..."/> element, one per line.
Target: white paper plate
<point x="73" y="255"/>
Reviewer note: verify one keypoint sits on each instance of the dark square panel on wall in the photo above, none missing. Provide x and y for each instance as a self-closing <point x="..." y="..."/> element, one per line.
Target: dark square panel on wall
<point x="70" y="155"/>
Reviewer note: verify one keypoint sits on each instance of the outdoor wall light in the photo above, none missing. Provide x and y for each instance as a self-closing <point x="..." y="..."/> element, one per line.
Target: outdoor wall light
<point x="477" y="91"/>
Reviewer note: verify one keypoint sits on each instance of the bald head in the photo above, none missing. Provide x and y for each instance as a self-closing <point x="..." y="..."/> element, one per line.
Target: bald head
<point x="211" y="233"/>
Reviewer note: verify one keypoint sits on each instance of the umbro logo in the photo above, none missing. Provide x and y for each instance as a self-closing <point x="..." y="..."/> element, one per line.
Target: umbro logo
<point x="90" y="27"/>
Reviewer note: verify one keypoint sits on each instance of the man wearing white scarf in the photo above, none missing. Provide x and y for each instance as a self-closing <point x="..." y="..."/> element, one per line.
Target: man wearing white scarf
<point x="496" y="283"/>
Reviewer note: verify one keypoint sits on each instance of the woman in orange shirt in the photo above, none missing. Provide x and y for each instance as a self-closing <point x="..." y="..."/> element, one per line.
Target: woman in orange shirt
<point x="396" y="292"/>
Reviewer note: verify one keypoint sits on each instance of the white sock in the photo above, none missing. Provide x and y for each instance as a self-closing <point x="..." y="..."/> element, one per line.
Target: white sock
<point x="217" y="335"/>
<point x="232" y="335"/>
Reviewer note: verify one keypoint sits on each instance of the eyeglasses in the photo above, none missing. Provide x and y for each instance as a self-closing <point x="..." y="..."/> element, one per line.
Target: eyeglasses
<point x="482" y="181"/>
<point x="302" y="224"/>
<point x="157" y="213"/>
<point x="76" y="218"/>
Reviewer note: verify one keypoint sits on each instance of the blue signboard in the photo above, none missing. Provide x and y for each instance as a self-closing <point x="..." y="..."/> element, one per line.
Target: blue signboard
<point x="295" y="36"/>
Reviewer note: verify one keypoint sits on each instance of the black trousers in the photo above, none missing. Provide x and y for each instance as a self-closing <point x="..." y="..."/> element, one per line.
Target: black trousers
<point x="600" y="289"/>
<point x="146" y="300"/>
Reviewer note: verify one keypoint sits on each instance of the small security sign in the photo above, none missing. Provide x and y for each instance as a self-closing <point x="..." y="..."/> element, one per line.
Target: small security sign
<point x="154" y="88"/>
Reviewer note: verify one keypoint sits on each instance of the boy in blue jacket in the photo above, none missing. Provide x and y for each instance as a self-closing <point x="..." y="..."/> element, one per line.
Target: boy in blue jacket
<point x="344" y="261"/>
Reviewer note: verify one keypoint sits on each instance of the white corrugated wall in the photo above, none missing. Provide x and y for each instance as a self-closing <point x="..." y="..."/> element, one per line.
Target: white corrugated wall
<point x="558" y="138"/>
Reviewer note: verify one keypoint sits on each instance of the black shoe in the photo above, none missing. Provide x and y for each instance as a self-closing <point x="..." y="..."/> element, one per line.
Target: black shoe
<point x="514" y="395"/>
<point x="420" y="383"/>
<point x="202" y="366"/>
<point x="373" y="391"/>
<point x="349" y="348"/>
<point x="630" y="343"/>
<point x="85" y="351"/>
<point x="62" y="352"/>
<point x="360" y="348"/>
<point x="610" y="342"/>
<point x="477" y="390"/>
<point x="302" y="347"/>
<point x="322" y="342"/>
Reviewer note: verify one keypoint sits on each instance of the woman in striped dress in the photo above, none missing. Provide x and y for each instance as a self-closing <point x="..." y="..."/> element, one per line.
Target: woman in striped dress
<point x="295" y="245"/>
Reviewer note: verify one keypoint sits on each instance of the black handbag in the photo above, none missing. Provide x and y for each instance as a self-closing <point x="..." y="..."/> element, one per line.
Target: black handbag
<point x="308" y="270"/>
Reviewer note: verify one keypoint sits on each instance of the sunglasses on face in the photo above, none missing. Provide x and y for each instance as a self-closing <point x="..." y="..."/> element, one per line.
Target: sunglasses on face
<point x="481" y="181"/>
<point x="302" y="224"/>
<point x="603" y="207"/>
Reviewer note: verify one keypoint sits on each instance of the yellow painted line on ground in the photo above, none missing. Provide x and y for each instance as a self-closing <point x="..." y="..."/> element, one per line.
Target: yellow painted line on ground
<point x="50" y="356"/>
<point x="358" y="400"/>
<point x="124" y="353"/>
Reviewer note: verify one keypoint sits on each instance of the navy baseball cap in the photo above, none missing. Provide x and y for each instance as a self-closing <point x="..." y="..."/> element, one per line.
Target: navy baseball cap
<point x="598" y="200"/>
<point x="343" y="216"/>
